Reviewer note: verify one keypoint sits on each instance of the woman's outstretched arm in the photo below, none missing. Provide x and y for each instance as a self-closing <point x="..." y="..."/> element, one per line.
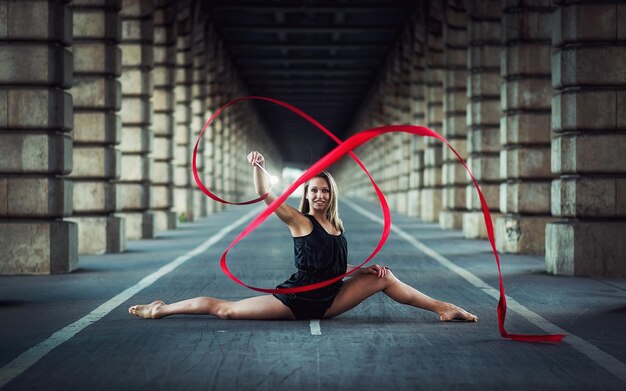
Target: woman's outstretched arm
<point x="297" y="223"/>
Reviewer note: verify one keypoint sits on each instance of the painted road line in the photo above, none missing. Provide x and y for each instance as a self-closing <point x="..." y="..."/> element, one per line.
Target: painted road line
<point x="27" y="359"/>
<point x="605" y="360"/>
<point x="315" y="327"/>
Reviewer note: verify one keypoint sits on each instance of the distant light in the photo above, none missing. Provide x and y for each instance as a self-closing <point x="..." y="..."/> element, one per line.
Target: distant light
<point x="290" y="174"/>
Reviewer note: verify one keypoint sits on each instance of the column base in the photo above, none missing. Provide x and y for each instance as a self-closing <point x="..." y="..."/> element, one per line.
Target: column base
<point x="474" y="225"/>
<point x="200" y="204"/>
<point x="392" y="200"/>
<point x="589" y="249"/>
<point x="431" y="204"/>
<point x="139" y="225"/>
<point x="402" y="200"/>
<point x="183" y="204"/>
<point x="100" y="234"/>
<point x="38" y="247"/>
<point x="521" y="234"/>
<point x="211" y="207"/>
<point x="451" y="219"/>
<point x="164" y="220"/>
<point x="413" y="203"/>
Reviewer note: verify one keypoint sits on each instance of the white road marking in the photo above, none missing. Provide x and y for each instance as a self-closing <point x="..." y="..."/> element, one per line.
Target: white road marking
<point x="27" y="359"/>
<point x="605" y="360"/>
<point x="315" y="327"/>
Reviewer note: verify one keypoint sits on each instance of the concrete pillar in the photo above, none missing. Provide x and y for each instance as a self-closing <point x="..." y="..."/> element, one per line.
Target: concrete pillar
<point x="404" y="117"/>
<point x="244" y="140"/>
<point x="96" y="94"/>
<point x="229" y="154"/>
<point x="229" y="132"/>
<point x="218" y="155"/>
<point x="35" y="149"/>
<point x="162" y="175"/>
<point x="525" y="128"/>
<point x="211" y="105"/>
<point x="454" y="176"/>
<point x="393" y="143"/>
<point x="418" y="117"/>
<point x="483" y="113"/>
<point x="431" y="192"/>
<point x="183" y="179"/>
<point x="588" y="144"/>
<point x="198" y="109"/>
<point x="221" y="91"/>
<point x="137" y="135"/>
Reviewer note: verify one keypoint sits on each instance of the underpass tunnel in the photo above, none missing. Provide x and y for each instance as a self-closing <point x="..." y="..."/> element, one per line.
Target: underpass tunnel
<point x="102" y="102"/>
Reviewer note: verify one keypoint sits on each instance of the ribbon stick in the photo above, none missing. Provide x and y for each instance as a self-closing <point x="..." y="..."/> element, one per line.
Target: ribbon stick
<point x="345" y="148"/>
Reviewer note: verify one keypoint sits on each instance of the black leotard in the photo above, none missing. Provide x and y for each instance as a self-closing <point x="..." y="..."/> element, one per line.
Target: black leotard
<point x="319" y="256"/>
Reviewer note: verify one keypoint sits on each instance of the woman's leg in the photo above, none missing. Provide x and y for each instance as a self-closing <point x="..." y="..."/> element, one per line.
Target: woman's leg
<point x="362" y="286"/>
<point x="259" y="307"/>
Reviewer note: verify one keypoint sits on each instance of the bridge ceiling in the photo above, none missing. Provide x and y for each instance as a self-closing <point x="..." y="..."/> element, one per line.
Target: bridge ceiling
<point x="320" y="56"/>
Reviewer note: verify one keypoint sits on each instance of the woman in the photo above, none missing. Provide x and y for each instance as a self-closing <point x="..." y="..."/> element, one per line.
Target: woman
<point x="321" y="253"/>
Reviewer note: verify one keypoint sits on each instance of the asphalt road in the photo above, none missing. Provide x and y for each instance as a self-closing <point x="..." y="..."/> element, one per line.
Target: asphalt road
<point x="73" y="332"/>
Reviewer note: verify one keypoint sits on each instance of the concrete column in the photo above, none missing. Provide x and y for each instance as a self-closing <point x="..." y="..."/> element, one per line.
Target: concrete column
<point x="234" y="155"/>
<point x="198" y="109"/>
<point x="483" y="113"/>
<point x="218" y="154"/>
<point x="525" y="128"/>
<point x="404" y="117"/>
<point x="162" y="175"/>
<point x="211" y="105"/>
<point x="238" y="155"/>
<point x="35" y="149"/>
<point x="221" y="93"/>
<point x="393" y="144"/>
<point x="183" y="179"/>
<point x="354" y="182"/>
<point x="246" y="122"/>
<point x="137" y="135"/>
<point x="588" y="144"/>
<point x="431" y="192"/>
<point x="454" y="176"/>
<point x="227" y="154"/>
<point x="96" y="94"/>
<point x="418" y="117"/>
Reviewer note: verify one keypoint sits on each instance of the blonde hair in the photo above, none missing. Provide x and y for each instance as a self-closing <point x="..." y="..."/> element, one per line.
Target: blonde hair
<point x="332" y="209"/>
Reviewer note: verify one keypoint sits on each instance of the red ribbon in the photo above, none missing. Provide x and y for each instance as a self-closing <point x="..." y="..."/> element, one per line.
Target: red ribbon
<point x="338" y="152"/>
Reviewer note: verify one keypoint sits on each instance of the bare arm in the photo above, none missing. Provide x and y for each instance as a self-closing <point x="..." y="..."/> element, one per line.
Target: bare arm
<point x="380" y="271"/>
<point x="297" y="223"/>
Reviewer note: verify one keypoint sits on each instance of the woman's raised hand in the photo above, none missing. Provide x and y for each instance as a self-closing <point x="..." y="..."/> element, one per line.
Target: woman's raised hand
<point x="255" y="157"/>
<point x="380" y="271"/>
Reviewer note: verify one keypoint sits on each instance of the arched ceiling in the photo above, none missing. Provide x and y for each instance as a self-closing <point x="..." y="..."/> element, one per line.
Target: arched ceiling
<point x="320" y="56"/>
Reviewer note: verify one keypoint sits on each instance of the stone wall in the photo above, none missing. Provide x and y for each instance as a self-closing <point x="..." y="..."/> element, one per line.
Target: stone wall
<point x="35" y="142"/>
<point x="100" y="104"/>
<point x="543" y="135"/>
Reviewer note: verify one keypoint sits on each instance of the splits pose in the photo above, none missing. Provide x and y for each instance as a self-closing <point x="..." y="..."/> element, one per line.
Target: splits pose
<point x="321" y="253"/>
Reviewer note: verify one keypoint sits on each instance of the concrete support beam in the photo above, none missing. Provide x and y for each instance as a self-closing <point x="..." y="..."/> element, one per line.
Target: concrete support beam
<point x="418" y="117"/>
<point x="97" y="126"/>
<point x="483" y="112"/>
<point x="163" y="100"/>
<point x="587" y="117"/>
<point x="454" y="178"/>
<point x="198" y="100"/>
<point x="137" y="139"/>
<point x="183" y="180"/>
<point x="35" y="140"/>
<point x="524" y="130"/>
<point x="431" y="194"/>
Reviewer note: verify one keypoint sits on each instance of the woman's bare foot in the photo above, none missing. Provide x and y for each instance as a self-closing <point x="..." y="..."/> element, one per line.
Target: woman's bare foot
<point x="148" y="311"/>
<point x="451" y="312"/>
